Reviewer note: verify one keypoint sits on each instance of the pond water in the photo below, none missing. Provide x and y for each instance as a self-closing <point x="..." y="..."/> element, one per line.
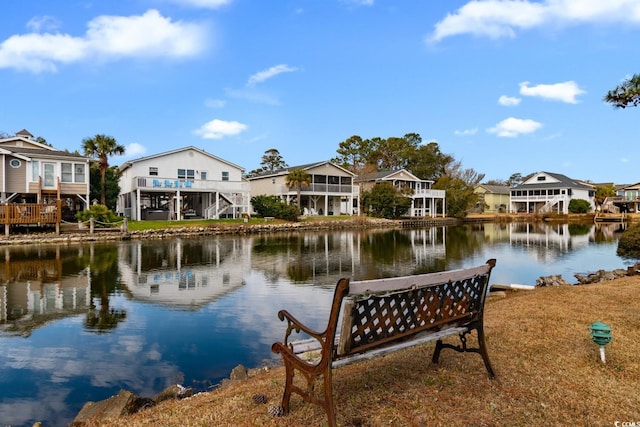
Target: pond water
<point x="80" y="322"/>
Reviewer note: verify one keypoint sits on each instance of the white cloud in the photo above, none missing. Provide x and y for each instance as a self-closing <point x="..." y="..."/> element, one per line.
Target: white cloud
<point x="565" y="91"/>
<point x="205" y="4"/>
<point x="40" y="23"/>
<point x="261" y="76"/>
<point x="135" y="149"/>
<point x="214" y="103"/>
<point x="107" y="38"/>
<point x="218" y="129"/>
<point x="508" y="101"/>
<point x="503" y="18"/>
<point x="513" y="127"/>
<point x="253" y="96"/>
<point x="466" y="132"/>
<point x="360" y="2"/>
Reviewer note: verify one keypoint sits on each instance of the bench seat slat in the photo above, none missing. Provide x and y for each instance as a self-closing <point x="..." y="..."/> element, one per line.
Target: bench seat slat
<point x="400" y="283"/>
<point x="310" y="345"/>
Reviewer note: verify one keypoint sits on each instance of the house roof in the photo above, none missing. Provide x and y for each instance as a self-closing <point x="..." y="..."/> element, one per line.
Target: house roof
<point x="384" y="175"/>
<point x="37" y="152"/>
<point x="635" y="186"/>
<point x="130" y="163"/>
<point x="496" y="189"/>
<point x="24" y="133"/>
<point x="563" y="181"/>
<point x="42" y="150"/>
<point x="307" y="166"/>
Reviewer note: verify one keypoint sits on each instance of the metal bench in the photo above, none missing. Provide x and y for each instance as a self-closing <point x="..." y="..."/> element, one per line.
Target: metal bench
<point x="374" y="317"/>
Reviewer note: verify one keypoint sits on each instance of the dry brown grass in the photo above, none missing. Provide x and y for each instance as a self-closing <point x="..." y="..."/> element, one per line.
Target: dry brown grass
<point x="548" y="373"/>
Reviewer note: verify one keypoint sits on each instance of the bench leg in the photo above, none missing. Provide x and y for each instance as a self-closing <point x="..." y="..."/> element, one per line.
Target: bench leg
<point x="483" y="352"/>
<point x="288" y="387"/>
<point x="328" y="398"/>
<point x="482" y="349"/>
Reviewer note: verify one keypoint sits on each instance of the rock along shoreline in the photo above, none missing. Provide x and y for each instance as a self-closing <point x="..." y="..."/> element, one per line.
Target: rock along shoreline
<point x="99" y="235"/>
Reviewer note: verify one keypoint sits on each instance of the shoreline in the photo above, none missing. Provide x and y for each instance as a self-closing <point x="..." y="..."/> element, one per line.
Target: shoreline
<point x="258" y="226"/>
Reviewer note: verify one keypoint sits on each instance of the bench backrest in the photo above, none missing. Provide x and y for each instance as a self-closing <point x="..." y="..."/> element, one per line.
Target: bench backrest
<point x="376" y="312"/>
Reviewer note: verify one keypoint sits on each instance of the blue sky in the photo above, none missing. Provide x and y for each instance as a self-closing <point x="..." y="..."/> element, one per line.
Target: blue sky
<point x="503" y="86"/>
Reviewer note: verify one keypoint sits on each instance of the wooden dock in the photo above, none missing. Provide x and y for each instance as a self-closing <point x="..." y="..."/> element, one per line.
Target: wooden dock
<point x="610" y="217"/>
<point x="30" y="214"/>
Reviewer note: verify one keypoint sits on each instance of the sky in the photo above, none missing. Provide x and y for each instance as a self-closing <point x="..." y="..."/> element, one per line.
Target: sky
<point x="503" y="86"/>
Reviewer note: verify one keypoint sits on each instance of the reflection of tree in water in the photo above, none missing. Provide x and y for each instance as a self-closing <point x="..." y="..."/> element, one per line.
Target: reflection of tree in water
<point x="463" y="242"/>
<point x="104" y="283"/>
<point x="386" y="249"/>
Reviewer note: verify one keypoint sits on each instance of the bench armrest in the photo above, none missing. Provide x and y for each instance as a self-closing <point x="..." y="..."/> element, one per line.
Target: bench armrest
<point x="295" y="324"/>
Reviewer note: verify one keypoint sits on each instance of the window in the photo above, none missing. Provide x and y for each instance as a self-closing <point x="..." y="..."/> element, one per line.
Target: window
<point x="72" y="172"/>
<point x="79" y="173"/>
<point x="225" y="176"/>
<point x="15" y="163"/>
<point x="186" y="174"/>
<point x="153" y="171"/>
<point x="203" y="175"/>
<point x="541" y="178"/>
<point x="67" y="172"/>
<point x="35" y="170"/>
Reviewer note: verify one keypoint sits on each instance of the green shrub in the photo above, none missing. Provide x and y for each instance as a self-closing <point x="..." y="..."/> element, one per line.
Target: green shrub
<point x="578" y="206"/>
<point x="385" y="201"/>
<point x="629" y="242"/>
<point x="265" y="206"/>
<point x="101" y="214"/>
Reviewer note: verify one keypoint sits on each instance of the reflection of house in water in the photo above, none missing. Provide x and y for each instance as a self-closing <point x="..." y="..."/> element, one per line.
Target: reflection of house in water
<point x="34" y="286"/>
<point x="549" y="236"/>
<point x="184" y="273"/>
<point x="324" y="257"/>
<point x="428" y="244"/>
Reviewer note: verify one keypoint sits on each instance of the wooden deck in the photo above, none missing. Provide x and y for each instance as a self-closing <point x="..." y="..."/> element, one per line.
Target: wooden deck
<point x="610" y="217"/>
<point x="30" y="214"/>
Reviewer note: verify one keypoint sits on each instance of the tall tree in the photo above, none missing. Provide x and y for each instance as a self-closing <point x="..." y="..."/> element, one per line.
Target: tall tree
<point x="459" y="184"/>
<point x="298" y="178"/>
<point x="626" y="94"/>
<point x="515" y="179"/>
<point x="428" y="162"/>
<point x="112" y="187"/>
<point x="353" y="153"/>
<point x="271" y="161"/>
<point x="102" y="146"/>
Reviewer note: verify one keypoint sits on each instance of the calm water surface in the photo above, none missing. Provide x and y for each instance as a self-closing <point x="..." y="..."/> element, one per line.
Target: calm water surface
<point x="80" y="322"/>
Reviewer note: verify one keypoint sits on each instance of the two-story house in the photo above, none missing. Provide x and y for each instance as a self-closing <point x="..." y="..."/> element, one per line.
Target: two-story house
<point x="185" y="183"/>
<point x="331" y="190"/>
<point x="492" y="198"/>
<point x="545" y="192"/>
<point x="32" y="172"/>
<point x="627" y="198"/>
<point x="425" y="201"/>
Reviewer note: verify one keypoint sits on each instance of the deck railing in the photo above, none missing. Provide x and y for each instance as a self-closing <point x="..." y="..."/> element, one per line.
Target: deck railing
<point x="30" y="213"/>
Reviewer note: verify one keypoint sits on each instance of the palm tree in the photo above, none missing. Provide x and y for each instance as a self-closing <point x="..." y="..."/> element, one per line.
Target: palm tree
<point x="298" y="178"/>
<point x="102" y="146"/>
<point x="626" y="94"/>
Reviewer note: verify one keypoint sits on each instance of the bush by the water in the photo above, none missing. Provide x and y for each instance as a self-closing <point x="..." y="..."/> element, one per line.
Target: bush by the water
<point x="629" y="242"/>
<point x="578" y="206"/>
<point x="101" y="214"/>
<point x="266" y="206"/>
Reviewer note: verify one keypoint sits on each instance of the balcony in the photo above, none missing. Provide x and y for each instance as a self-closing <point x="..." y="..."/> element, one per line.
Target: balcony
<point x="322" y="189"/>
<point x="158" y="184"/>
<point x="437" y="194"/>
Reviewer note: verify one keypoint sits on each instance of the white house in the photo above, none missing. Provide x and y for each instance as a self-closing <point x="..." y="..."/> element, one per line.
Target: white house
<point x="425" y="202"/>
<point x="545" y="192"/>
<point x="182" y="184"/>
<point x="331" y="190"/>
